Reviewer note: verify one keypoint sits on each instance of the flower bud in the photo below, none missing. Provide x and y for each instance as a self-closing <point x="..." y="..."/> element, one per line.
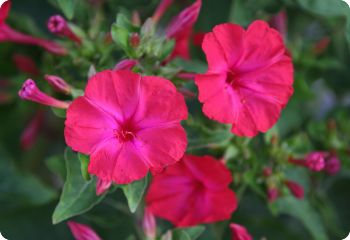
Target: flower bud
<point x="102" y="186"/>
<point x="333" y="165"/>
<point x="161" y="9"/>
<point x="82" y="231"/>
<point x="58" y="25"/>
<point x="239" y="232"/>
<point x="25" y="64"/>
<point x="126" y="64"/>
<point x="58" y="84"/>
<point x="135" y="40"/>
<point x="31" y="92"/>
<point x="272" y="194"/>
<point x="267" y="171"/>
<point x="4" y="11"/>
<point x="279" y="22"/>
<point x="315" y="161"/>
<point x="32" y="130"/>
<point x="296" y="189"/>
<point x="149" y="224"/>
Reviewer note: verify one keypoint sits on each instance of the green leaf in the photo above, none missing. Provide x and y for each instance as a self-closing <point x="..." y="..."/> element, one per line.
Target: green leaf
<point x="67" y="7"/>
<point x="56" y="165"/>
<point x="78" y="196"/>
<point x="84" y="163"/>
<point x="120" y="35"/>
<point x="59" y="112"/>
<point x="301" y="210"/>
<point x="188" y="233"/>
<point x="134" y="192"/>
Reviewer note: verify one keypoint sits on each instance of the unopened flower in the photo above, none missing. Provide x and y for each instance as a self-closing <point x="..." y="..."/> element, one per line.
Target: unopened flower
<point x="161" y="9"/>
<point x="136" y="19"/>
<point x="32" y="130"/>
<point x="296" y="189"/>
<point x="315" y="161"/>
<point x="58" y="84"/>
<point x="193" y="191"/>
<point x="128" y="124"/>
<point x="239" y="232"/>
<point x="31" y="92"/>
<point x="249" y="79"/>
<point x="279" y="22"/>
<point x="25" y="64"/>
<point x="4" y="11"/>
<point x="58" y="25"/>
<point x="198" y="38"/>
<point x="135" y="40"/>
<point x="267" y="171"/>
<point x="272" y="194"/>
<point x="82" y="231"/>
<point x="102" y="186"/>
<point x="126" y="64"/>
<point x="149" y="224"/>
<point x="333" y="165"/>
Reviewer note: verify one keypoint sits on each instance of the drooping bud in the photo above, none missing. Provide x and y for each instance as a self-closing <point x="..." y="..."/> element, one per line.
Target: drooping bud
<point x="126" y="64"/>
<point x="315" y="161"/>
<point x="32" y="130"/>
<point x="135" y="40"/>
<point x="149" y="224"/>
<point x="296" y="189"/>
<point x="333" y="165"/>
<point x="58" y="84"/>
<point x="239" y="232"/>
<point x="82" y="231"/>
<point x="272" y="194"/>
<point x="102" y="186"/>
<point x="161" y="9"/>
<point x="58" y="25"/>
<point x="25" y="64"/>
<point x="31" y="92"/>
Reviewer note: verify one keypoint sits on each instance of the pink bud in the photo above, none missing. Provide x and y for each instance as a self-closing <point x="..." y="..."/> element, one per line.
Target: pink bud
<point x="161" y="9"/>
<point x="4" y="11"/>
<point x="184" y="21"/>
<point x="239" y="232"/>
<point x="7" y="34"/>
<point x="126" y="64"/>
<point x="135" y="40"/>
<point x="321" y="45"/>
<point x="149" y="224"/>
<point x="186" y="76"/>
<point x="267" y="171"/>
<point x="187" y="93"/>
<point x="82" y="231"/>
<point x="136" y="19"/>
<point x="198" y="39"/>
<point x="279" y="22"/>
<point x="102" y="186"/>
<point x="32" y="130"/>
<point x="25" y="64"/>
<point x="333" y="165"/>
<point x="272" y="194"/>
<point x="31" y="92"/>
<point x="296" y="189"/>
<point x="58" y="84"/>
<point x="315" y="161"/>
<point x="58" y="25"/>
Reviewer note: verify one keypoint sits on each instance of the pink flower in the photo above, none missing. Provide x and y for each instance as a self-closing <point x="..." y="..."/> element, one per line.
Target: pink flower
<point x="279" y="22"/>
<point x="58" y="25"/>
<point x="239" y="232"/>
<point x="192" y="192"/>
<point x="249" y="80"/>
<point x="82" y="231"/>
<point x="161" y="9"/>
<point x="126" y="64"/>
<point x="102" y="186"/>
<point x="31" y="92"/>
<point x="149" y="224"/>
<point x="198" y="38"/>
<point x="296" y="189"/>
<point x="180" y="29"/>
<point x="332" y="165"/>
<point x="32" y="130"/>
<point x="4" y="11"/>
<point x="272" y="194"/>
<point x="315" y="161"/>
<point x="25" y="64"/>
<point x="58" y="84"/>
<point x="128" y="124"/>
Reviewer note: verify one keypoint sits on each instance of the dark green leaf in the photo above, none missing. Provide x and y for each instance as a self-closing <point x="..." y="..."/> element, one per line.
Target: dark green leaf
<point x="188" y="233"/>
<point x="61" y="113"/>
<point x="134" y="192"/>
<point x="67" y="7"/>
<point x="84" y="163"/>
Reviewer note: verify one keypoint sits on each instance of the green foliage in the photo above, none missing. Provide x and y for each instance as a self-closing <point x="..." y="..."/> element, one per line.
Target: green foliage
<point x="134" y="192"/>
<point x="67" y="6"/>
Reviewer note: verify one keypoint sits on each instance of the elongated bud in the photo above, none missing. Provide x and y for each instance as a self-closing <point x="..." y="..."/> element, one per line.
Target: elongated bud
<point x="161" y="9"/>
<point x="7" y="34"/>
<point x="136" y="19"/>
<point x="296" y="189"/>
<point x="58" y="25"/>
<point x="239" y="232"/>
<point x="333" y="165"/>
<point x="32" y="130"/>
<point x="25" y="64"/>
<point x="58" y="84"/>
<point x="126" y="64"/>
<point x="186" y="76"/>
<point x="187" y="93"/>
<point x="135" y="40"/>
<point x="4" y="11"/>
<point x="315" y="161"/>
<point x="31" y="92"/>
<point x="149" y="224"/>
<point x="272" y="194"/>
<point x="102" y="186"/>
<point x="82" y="231"/>
<point x="279" y="22"/>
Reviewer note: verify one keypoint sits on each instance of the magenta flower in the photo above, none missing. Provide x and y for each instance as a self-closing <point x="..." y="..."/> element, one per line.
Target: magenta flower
<point x="126" y="64"/>
<point x="239" y="232"/>
<point x="315" y="161"/>
<point x="128" y="124"/>
<point x="296" y="189"/>
<point x="82" y="231"/>
<point x="102" y="186"/>
<point x="4" y="11"/>
<point x="31" y="92"/>
<point x="58" y="84"/>
<point x="58" y="25"/>
<point x="249" y="79"/>
<point x="333" y="165"/>
<point x="149" y="224"/>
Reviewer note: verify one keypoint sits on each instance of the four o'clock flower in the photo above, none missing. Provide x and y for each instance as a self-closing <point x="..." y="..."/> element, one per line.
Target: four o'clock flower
<point x="296" y="189"/>
<point x="250" y="77"/>
<point x="82" y="231"/>
<point x="315" y="161"/>
<point x="239" y="232"/>
<point x="102" y="186"/>
<point x="128" y="124"/>
<point x="58" y="25"/>
<point x="58" y="84"/>
<point x="149" y="224"/>
<point x="31" y="92"/>
<point x="192" y="192"/>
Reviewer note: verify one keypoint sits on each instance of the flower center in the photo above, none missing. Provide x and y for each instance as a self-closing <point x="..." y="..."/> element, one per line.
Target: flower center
<point x="126" y="133"/>
<point x="232" y="79"/>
